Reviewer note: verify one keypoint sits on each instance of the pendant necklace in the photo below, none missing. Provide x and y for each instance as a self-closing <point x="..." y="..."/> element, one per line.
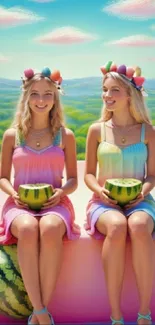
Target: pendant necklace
<point x="123" y="140"/>
<point x="37" y="135"/>
<point x="123" y="135"/>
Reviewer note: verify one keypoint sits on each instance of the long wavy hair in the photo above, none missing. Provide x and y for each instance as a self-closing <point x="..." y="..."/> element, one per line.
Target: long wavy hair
<point x="137" y="108"/>
<point x="22" y="118"/>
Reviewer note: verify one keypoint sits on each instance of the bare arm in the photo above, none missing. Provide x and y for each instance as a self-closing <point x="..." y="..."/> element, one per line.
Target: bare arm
<point x="93" y="139"/>
<point x="149" y="182"/>
<point x="6" y="161"/>
<point x="69" y="145"/>
<point x="70" y="163"/>
<point x="91" y="158"/>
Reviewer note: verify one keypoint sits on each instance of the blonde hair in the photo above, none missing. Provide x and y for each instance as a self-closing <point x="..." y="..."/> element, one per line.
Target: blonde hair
<point x="138" y="109"/>
<point x="22" y="118"/>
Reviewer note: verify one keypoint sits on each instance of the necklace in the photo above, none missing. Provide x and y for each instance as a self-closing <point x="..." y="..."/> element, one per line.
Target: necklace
<point x="123" y="135"/>
<point x="37" y="135"/>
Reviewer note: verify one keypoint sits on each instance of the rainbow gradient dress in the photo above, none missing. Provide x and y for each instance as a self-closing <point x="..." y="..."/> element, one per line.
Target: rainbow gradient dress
<point x="38" y="166"/>
<point x="116" y="162"/>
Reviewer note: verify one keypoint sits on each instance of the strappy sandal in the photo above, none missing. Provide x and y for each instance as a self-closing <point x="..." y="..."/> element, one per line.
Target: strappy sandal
<point x="147" y="316"/>
<point x="114" y="322"/>
<point x="38" y="312"/>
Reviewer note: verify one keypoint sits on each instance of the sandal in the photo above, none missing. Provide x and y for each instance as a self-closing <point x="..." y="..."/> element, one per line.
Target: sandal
<point x="114" y="322"/>
<point x="38" y="312"/>
<point x="147" y="316"/>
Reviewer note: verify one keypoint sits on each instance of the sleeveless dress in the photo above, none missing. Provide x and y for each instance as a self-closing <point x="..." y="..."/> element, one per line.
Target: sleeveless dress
<point x="38" y="166"/>
<point x="116" y="162"/>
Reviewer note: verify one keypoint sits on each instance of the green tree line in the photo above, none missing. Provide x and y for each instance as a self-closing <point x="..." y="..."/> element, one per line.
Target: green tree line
<point x="79" y="114"/>
<point x="76" y="120"/>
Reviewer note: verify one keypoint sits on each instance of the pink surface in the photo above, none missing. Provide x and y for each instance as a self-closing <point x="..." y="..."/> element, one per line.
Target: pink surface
<point x="80" y="295"/>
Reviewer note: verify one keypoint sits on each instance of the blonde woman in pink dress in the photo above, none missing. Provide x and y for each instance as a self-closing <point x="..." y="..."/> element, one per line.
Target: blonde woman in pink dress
<point x="39" y="147"/>
<point x="122" y="145"/>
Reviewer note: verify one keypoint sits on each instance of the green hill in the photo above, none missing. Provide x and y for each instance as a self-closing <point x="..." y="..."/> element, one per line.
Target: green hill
<point x="79" y="110"/>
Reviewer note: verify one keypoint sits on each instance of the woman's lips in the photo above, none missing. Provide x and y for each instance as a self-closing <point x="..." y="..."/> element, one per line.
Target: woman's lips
<point x="110" y="102"/>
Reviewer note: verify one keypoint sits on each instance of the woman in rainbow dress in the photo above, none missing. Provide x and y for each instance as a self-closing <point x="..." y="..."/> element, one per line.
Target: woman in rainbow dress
<point x="39" y="146"/>
<point x="121" y="144"/>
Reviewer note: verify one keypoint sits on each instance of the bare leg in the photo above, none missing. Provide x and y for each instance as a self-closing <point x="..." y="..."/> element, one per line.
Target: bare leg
<point x="52" y="230"/>
<point x="140" y="226"/>
<point x="114" y="225"/>
<point x="26" y="229"/>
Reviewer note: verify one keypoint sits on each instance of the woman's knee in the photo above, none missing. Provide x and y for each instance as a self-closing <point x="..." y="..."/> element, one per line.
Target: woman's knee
<point x="138" y="226"/>
<point x="113" y="225"/>
<point x="117" y="229"/>
<point x="51" y="230"/>
<point x="26" y="229"/>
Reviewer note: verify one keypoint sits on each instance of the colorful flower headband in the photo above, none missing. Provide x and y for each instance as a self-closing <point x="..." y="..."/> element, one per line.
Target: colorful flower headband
<point x="54" y="76"/>
<point x="131" y="74"/>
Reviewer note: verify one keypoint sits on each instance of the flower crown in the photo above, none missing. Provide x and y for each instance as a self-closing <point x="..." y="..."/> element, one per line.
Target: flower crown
<point x="131" y="74"/>
<point x="54" y="76"/>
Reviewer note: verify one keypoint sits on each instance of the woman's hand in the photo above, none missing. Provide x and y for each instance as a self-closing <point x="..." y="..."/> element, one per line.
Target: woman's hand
<point x="18" y="202"/>
<point x="104" y="196"/>
<point x="134" y="202"/>
<point x="54" y="199"/>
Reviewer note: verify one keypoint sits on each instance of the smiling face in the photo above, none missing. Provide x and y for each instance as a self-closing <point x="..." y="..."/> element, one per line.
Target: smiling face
<point x="41" y="98"/>
<point x="114" y="95"/>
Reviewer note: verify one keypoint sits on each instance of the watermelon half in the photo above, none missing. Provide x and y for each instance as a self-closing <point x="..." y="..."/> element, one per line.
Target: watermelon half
<point x="123" y="190"/>
<point x="14" y="300"/>
<point x="35" y="195"/>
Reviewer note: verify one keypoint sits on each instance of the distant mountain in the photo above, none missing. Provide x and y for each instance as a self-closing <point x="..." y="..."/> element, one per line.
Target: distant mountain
<point x="149" y="84"/>
<point x="74" y="87"/>
<point x="8" y="83"/>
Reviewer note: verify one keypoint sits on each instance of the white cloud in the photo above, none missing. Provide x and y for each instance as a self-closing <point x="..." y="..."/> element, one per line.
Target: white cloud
<point x="17" y="16"/>
<point x="134" y="41"/>
<point x="131" y="9"/>
<point x="66" y="35"/>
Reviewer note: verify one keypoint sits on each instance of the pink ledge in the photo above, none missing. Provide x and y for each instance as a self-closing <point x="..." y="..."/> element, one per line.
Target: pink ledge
<point x="80" y="295"/>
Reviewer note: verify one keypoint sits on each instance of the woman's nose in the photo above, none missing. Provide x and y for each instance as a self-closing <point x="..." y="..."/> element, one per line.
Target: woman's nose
<point x="41" y="98"/>
<point x="107" y="93"/>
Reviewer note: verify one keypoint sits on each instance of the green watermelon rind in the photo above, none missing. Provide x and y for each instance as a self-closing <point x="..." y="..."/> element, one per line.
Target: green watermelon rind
<point x="14" y="300"/>
<point x="123" y="190"/>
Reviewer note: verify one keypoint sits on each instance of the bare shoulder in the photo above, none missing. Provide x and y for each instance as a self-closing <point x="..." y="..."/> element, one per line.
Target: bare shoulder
<point x="68" y="137"/>
<point x="150" y="132"/>
<point x="95" y="127"/>
<point x="9" y="135"/>
<point x="67" y="131"/>
<point x="95" y="130"/>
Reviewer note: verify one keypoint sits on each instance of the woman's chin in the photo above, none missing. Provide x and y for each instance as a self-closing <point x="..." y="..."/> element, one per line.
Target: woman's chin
<point x="110" y="108"/>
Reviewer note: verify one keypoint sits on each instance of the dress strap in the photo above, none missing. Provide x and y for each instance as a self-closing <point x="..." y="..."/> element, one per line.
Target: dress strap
<point x="58" y="138"/>
<point x="19" y="140"/>
<point x="142" y="133"/>
<point x="103" y="133"/>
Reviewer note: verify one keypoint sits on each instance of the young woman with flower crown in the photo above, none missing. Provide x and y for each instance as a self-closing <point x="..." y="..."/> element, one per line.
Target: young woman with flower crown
<point x="39" y="146"/>
<point x="122" y="144"/>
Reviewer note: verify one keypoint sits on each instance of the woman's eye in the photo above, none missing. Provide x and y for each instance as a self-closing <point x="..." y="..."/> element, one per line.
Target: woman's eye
<point x="48" y="95"/>
<point x="34" y="94"/>
<point x="114" y="89"/>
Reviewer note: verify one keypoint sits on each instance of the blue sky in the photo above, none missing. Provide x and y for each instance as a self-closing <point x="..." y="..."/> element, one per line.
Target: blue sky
<point x="76" y="36"/>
